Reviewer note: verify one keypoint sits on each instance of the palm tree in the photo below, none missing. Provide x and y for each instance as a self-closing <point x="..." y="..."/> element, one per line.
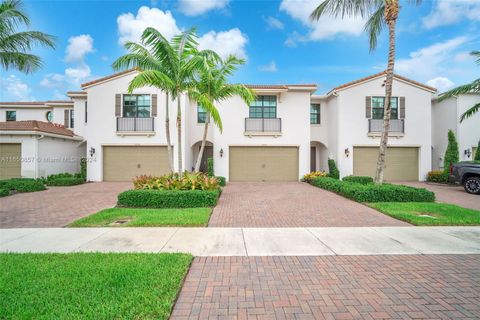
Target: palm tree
<point x="379" y="13"/>
<point x="473" y="87"/>
<point x="15" y="46"/>
<point x="212" y="87"/>
<point x="167" y="65"/>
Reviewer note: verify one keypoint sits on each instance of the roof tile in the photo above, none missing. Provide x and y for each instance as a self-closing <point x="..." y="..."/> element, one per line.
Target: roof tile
<point x="34" y="125"/>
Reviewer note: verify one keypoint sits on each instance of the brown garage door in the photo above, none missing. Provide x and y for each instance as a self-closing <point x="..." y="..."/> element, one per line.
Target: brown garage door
<point x="10" y="164"/>
<point x="263" y="163"/>
<point x="123" y="163"/>
<point x="402" y="163"/>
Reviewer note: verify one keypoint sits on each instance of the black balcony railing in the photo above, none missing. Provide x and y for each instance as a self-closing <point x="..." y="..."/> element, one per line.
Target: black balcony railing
<point x="396" y="125"/>
<point x="263" y="125"/>
<point x="135" y="124"/>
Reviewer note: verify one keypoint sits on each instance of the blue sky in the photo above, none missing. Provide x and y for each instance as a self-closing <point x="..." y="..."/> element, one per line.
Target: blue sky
<point x="276" y="38"/>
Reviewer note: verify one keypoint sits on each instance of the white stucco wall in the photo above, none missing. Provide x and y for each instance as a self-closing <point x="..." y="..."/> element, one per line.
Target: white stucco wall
<point x="24" y="114"/>
<point x="444" y="118"/>
<point x="468" y="132"/>
<point x="352" y="124"/>
<point x="294" y="110"/>
<point x="57" y="156"/>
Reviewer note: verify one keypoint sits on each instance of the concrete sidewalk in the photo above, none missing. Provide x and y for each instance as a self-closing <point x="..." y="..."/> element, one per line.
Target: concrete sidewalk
<point x="248" y="241"/>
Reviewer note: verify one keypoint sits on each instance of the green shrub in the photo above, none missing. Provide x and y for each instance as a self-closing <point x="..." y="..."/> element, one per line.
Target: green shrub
<point x="73" y="181"/>
<point x="358" y="179"/>
<point x="314" y="174"/>
<point x="333" y="170"/>
<point x="437" y="176"/>
<point x="4" y="192"/>
<point x="221" y="181"/>
<point x="375" y="192"/>
<point x="59" y="176"/>
<point x="452" y="153"/>
<point x="168" y="198"/>
<point x="175" y="181"/>
<point x="21" y="185"/>
<point x="210" y="170"/>
<point x="83" y="168"/>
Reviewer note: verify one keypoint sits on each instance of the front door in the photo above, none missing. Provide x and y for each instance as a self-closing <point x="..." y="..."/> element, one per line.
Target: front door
<point x="313" y="159"/>
<point x="207" y="153"/>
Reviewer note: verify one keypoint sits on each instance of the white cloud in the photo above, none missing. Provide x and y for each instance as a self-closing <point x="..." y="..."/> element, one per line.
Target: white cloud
<point x="12" y="88"/>
<point x="197" y="7"/>
<point x="446" y="12"/>
<point x="441" y="83"/>
<point x="463" y="56"/>
<point x="131" y="27"/>
<point x="270" y="67"/>
<point x="72" y="78"/>
<point x="327" y="27"/>
<point x="274" y="23"/>
<point x="429" y="62"/>
<point x="231" y="42"/>
<point x="78" y="47"/>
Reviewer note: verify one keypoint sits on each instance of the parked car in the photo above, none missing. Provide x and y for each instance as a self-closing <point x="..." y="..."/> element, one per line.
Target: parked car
<point x="467" y="174"/>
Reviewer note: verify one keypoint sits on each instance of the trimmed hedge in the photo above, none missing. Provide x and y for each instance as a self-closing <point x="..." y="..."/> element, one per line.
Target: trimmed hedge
<point x="221" y="181"/>
<point x="59" y="182"/>
<point x="358" y="179"/>
<point x="438" y="176"/>
<point x="375" y="192"/>
<point x="333" y="171"/>
<point x="168" y="198"/>
<point x="4" y="192"/>
<point x="22" y="185"/>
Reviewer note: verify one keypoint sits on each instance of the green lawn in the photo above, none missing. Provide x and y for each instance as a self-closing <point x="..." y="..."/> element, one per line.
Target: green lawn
<point x="429" y="214"/>
<point x="90" y="285"/>
<point x="190" y="217"/>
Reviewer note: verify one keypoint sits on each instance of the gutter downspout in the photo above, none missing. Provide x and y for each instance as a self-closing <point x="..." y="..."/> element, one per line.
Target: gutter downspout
<point x="36" y="155"/>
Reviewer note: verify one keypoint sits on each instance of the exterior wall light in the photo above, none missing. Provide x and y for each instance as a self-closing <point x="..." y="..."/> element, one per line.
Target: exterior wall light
<point x="347" y="152"/>
<point x="468" y="153"/>
<point x="92" y="151"/>
<point x="221" y="153"/>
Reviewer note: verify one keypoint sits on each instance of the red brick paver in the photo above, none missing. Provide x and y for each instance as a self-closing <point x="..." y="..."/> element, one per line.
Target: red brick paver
<point x="332" y="287"/>
<point x="58" y="206"/>
<point x="453" y="194"/>
<point x="291" y="204"/>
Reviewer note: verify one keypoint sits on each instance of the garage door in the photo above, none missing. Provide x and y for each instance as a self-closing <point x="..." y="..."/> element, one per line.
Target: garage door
<point x="10" y="164"/>
<point x="123" y="163"/>
<point x="263" y="163"/>
<point x="402" y="163"/>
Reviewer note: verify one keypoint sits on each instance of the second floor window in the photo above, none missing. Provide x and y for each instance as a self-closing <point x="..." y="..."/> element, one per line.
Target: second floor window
<point x="314" y="114"/>
<point x="11" y="116"/>
<point x="136" y="105"/>
<point x="378" y="103"/>
<point x="201" y="114"/>
<point x="264" y="107"/>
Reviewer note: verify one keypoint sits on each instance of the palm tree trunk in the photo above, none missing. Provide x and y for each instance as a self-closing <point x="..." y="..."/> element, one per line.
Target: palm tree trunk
<point x="167" y="134"/>
<point x="179" y="135"/>
<point x="388" y="92"/>
<point x="202" y="147"/>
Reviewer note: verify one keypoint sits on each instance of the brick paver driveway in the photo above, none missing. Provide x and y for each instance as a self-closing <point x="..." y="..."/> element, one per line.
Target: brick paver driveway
<point x="291" y="204"/>
<point x="449" y="194"/>
<point x="332" y="287"/>
<point x="58" y="206"/>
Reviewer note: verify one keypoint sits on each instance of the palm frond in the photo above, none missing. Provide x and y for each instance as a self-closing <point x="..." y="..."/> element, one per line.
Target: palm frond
<point x="344" y="8"/>
<point x="151" y="78"/>
<point x="470" y="112"/>
<point x="23" y="62"/>
<point x="207" y="103"/>
<point x="477" y="55"/>
<point x="375" y="25"/>
<point x="473" y="87"/>
<point x="12" y="16"/>
<point x="24" y="41"/>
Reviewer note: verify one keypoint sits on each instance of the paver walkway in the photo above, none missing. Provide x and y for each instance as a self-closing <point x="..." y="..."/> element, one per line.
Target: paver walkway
<point x="453" y="194"/>
<point x="291" y="204"/>
<point x="335" y="287"/>
<point x="58" y="206"/>
<point x="247" y="241"/>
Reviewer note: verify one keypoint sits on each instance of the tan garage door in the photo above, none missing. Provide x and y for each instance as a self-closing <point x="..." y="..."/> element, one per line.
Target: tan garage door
<point x="263" y="163"/>
<point x="123" y="163"/>
<point x="402" y="163"/>
<point x="10" y="164"/>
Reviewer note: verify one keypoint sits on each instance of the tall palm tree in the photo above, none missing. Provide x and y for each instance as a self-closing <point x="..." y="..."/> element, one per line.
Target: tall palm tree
<point x="168" y="65"/>
<point x="379" y="13"/>
<point x="15" y="46"/>
<point x="473" y="87"/>
<point x="213" y="87"/>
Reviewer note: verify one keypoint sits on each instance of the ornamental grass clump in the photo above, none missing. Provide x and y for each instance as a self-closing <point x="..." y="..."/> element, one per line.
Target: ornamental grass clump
<point x="175" y="181"/>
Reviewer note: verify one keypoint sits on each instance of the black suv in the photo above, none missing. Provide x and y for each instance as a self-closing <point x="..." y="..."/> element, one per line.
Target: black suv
<point x="468" y="174"/>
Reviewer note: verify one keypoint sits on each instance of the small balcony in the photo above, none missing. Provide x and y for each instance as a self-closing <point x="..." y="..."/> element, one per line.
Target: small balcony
<point x="131" y="125"/>
<point x="397" y="126"/>
<point x="263" y="126"/>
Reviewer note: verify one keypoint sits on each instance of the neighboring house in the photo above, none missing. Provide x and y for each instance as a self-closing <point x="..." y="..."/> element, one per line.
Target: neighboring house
<point x="446" y="116"/>
<point x="285" y="133"/>
<point x="351" y="131"/>
<point x="35" y="149"/>
<point x="60" y="112"/>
